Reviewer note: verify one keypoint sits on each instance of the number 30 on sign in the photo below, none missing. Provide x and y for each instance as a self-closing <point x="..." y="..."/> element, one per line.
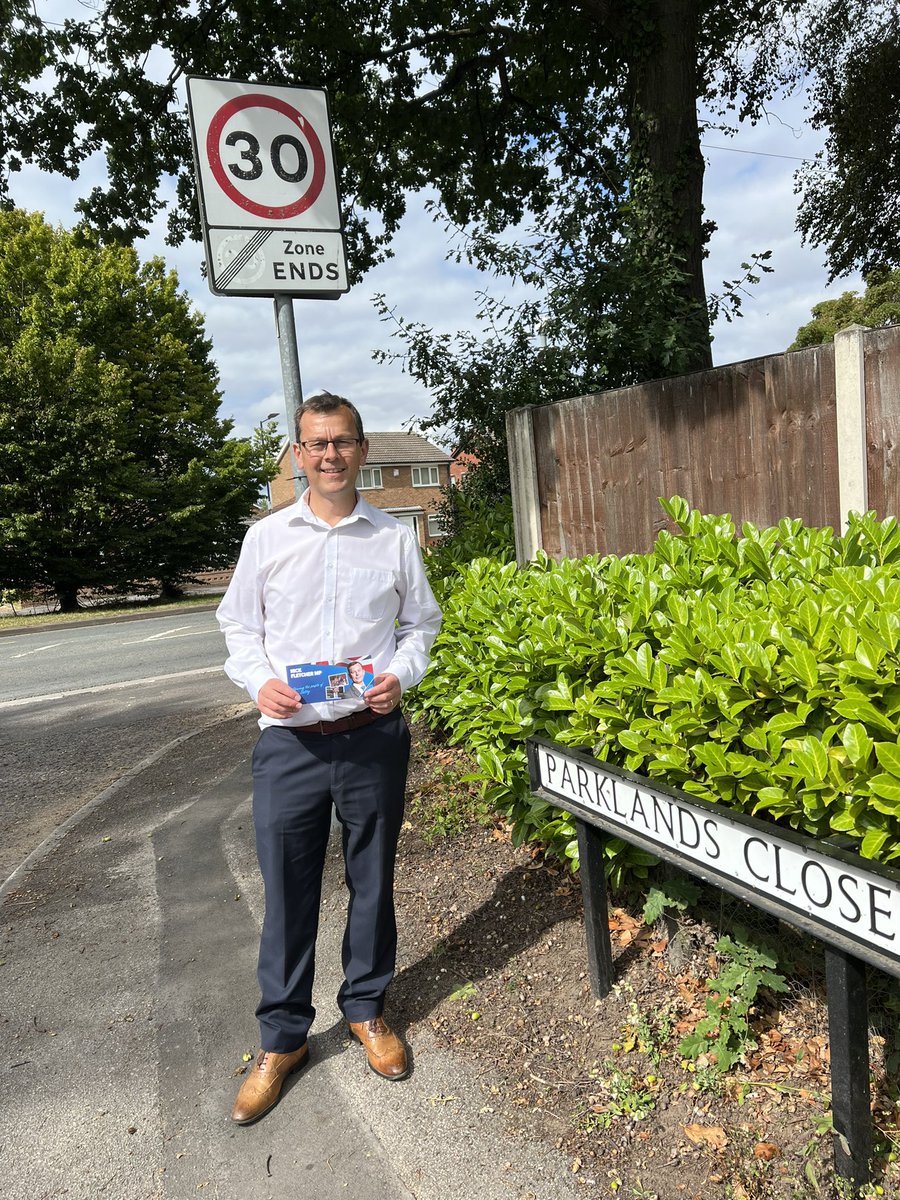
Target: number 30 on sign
<point x="264" y="162"/>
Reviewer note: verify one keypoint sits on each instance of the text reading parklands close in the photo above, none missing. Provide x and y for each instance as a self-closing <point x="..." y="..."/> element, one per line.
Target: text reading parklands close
<point x="833" y="891"/>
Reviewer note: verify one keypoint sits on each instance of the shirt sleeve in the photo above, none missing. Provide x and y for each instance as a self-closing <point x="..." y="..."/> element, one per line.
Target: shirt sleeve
<point x="242" y="621"/>
<point x="418" y="619"/>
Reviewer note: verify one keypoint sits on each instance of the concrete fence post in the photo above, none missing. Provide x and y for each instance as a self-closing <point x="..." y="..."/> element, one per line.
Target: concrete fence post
<point x="850" y="397"/>
<point x="523" y="479"/>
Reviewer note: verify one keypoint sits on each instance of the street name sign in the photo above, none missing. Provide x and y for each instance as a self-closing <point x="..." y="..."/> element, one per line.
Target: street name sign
<point x="846" y="900"/>
<point x="265" y="171"/>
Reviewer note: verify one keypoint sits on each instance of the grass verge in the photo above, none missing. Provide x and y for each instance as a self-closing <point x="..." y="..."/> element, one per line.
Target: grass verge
<point x="25" y="621"/>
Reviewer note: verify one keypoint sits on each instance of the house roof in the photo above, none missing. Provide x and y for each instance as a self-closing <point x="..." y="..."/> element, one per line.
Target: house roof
<point x="392" y="448"/>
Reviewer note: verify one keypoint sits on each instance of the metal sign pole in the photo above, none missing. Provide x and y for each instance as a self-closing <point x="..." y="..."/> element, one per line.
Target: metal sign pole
<point x="290" y="367"/>
<point x="592" y="869"/>
<point x="848" y="1029"/>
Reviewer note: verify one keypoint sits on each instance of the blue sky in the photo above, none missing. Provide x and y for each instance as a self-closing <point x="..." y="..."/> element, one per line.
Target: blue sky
<point x="748" y="193"/>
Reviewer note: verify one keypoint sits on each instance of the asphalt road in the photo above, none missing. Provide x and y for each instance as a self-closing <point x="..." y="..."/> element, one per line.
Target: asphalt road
<point x="62" y="661"/>
<point x="81" y="707"/>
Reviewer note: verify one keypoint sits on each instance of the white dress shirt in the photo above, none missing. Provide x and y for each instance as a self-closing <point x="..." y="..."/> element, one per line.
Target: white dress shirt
<point x="307" y="592"/>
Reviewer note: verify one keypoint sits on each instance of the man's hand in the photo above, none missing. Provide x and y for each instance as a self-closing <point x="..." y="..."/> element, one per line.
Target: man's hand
<point x="276" y="699"/>
<point x="384" y="694"/>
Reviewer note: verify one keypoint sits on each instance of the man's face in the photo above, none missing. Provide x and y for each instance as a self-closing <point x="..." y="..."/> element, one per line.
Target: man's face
<point x="332" y="474"/>
<point x="356" y="672"/>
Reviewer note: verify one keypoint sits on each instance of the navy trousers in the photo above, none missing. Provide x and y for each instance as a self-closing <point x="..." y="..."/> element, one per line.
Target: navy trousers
<point x="296" y="778"/>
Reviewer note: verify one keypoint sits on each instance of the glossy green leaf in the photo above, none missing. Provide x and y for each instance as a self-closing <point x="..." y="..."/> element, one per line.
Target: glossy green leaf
<point x="888" y="754"/>
<point x="857" y="743"/>
<point x="887" y="787"/>
<point x="857" y="709"/>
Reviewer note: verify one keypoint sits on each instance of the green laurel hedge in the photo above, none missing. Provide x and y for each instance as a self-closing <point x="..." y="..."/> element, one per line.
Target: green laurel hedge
<point x="760" y="671"/>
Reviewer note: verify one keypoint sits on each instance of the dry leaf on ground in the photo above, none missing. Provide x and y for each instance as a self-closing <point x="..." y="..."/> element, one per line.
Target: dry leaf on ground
<point x="766" y="1151"/>
<point x="712" y="1135"/>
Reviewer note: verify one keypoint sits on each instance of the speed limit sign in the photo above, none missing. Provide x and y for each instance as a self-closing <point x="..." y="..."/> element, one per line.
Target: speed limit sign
<point x="266" y="179"/>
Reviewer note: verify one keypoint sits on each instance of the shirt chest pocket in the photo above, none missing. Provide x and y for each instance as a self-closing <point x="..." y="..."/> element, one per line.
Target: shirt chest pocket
<point x="371" y="595"/>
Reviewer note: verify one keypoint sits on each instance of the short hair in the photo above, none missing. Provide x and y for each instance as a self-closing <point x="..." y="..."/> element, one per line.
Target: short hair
<point x="327" y="402"/>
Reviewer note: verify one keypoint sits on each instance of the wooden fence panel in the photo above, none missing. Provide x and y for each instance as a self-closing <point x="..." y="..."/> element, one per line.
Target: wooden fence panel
<point x="802" y="479"/>
<point x="756" y="439"/>
<point x="548" y="479"/>
<point x="881" y="351"/>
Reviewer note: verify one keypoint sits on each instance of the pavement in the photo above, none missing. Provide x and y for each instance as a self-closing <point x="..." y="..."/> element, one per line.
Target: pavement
<point x="127" y="988"/>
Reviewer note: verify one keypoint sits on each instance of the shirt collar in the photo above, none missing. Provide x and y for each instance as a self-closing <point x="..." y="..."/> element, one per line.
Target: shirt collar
<point x="302" y="512"/>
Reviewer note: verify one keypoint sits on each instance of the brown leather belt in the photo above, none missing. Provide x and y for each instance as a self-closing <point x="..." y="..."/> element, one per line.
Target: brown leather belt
<point x="343" y="724"/>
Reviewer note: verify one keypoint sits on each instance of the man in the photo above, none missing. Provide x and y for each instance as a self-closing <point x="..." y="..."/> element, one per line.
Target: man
<point x="326" y="580"/>
<point x="360" y="679"/>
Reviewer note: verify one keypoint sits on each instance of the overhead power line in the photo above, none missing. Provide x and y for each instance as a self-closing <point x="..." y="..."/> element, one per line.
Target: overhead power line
<point x="760" y="153"/>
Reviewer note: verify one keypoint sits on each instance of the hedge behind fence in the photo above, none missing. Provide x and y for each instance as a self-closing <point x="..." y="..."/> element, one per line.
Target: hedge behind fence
<point x="760" y="671"/>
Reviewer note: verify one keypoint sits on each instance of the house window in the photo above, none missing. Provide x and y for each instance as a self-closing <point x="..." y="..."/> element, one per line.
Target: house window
<point x="369" y="477"/>
<point x="425" y="477"/>
<point x="435" y="526"/>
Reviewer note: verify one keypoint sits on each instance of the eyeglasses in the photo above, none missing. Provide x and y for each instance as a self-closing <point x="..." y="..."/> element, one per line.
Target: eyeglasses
<point x="343" y="445"/>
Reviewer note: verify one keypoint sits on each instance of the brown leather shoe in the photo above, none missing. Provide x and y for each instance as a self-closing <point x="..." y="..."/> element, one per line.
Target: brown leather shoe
<point x="384" y="1050"/>
<point x="262" y="1087"/>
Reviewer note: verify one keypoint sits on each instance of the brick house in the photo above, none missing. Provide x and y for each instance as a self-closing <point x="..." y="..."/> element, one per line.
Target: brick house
<point x="461" y="462"/>
<point x="404" y="475"/>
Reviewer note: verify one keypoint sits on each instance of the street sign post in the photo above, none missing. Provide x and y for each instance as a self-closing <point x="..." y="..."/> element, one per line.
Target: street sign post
<point x="269" y="205"/>
<point x="266" y="179"/>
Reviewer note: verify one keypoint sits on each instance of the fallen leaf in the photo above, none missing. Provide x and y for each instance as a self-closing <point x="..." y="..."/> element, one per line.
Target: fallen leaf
<point x="713" y="1135"/>
<point x="619" y="919"/>
<point x="766" y="1151"/>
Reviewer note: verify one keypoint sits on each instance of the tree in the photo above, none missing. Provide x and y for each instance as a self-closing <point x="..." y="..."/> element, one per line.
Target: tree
<point x="851" y="203"/>
<point x="115" y="469"/>
<point x="509" y="108"/>
<point x="879" y="305"/>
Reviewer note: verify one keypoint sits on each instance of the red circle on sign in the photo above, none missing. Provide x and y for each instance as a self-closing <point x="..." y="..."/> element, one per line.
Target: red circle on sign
<point x="214" y="133"/>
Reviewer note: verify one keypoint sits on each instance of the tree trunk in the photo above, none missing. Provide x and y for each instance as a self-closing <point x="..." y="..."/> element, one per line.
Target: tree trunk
<point x="667" y="163"/>
<point x="67" y="595"/>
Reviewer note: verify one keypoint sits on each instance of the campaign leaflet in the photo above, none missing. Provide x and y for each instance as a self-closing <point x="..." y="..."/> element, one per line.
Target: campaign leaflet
<point x="317" y="683"/>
